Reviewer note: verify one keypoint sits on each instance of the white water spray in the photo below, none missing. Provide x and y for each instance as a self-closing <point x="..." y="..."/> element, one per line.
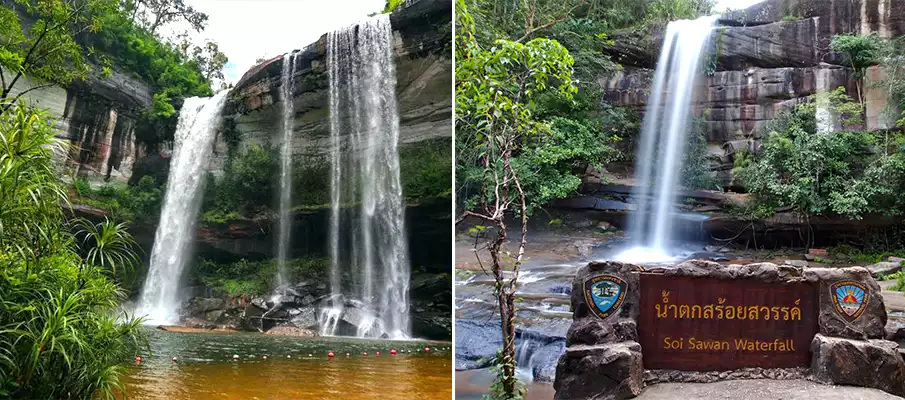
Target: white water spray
<point x="284" y="235"/>
<point x="198" y="121"/>
<point x="663" y="137"/>
<point x="364" y="131"/>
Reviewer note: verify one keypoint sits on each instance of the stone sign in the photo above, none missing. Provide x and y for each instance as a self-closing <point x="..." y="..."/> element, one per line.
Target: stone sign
<point x="707" y="324"/>
<point x="699" y="321"/>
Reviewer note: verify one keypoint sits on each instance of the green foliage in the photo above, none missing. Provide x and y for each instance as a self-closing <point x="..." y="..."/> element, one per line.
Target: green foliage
<point x="550" y="165"/>
<point x="425" y="170"/>
<point x="867" y="253"/>
<point x="662" y="11"/>
<point x="246" y="277"/>
<point x="108" y="245"/>
<point x="495" y="89"/>
<point x="857" y="51"/>
<point x="823" y="173"/>
<point x="30" y="192"/>
<point x="391" y="6"/>
<point x="696" y="172"/>
<point x="141" y="202"/>
<point x="62" y="332"/>
<point x="499" y="365"/>
<point x="893" y="64"/>
<point x="46" y="49"/>
<point x="246" y="187"/>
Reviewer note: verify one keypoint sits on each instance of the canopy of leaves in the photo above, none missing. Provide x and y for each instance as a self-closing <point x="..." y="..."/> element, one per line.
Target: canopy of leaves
<point x="62" y="334"/>
<point x="832" y="173"/>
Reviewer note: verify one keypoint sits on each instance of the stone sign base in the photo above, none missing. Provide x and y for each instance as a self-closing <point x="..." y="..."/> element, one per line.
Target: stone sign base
<point x="604" y="358"/>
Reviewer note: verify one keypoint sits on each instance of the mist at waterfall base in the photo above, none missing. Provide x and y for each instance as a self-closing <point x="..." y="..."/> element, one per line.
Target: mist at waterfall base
<point x="663" y="136"/>
<point x="369" y="270"/>
<point x="195" y="132"/>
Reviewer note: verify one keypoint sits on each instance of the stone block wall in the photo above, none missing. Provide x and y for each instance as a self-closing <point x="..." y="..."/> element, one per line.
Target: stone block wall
<point x="605" y="360"/>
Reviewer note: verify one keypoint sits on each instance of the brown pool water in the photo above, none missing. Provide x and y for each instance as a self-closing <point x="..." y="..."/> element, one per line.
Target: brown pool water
<point x="206" y="369"/>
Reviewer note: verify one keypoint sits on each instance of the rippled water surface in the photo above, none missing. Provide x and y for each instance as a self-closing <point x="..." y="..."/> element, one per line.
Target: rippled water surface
<point x="205" y="368"/>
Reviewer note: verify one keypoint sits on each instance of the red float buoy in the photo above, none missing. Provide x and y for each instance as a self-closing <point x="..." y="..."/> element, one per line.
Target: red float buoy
<point x="330" y="354"/>
<point x="263" y="357"/>
<point x="377" y="354"/>
<point x="138" y="360"/>
<point x="364" y="354"/>
<point x="427" y="349"/>
<point x="393" y="352"/>
<point x="174" y="359"/>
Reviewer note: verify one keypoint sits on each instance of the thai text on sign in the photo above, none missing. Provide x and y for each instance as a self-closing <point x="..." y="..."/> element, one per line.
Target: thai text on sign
<point x="708" y="324"/>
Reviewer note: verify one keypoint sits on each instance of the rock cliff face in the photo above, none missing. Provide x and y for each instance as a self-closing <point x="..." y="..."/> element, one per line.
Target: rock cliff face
<point x="770" y="57"/>
<point x="97" y="116"/>
<point x="423" y="34"/>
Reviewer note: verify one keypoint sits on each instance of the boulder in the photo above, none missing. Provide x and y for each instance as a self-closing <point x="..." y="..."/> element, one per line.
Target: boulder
<point x="871" y="324"/>
<point x="199" y="306"/>
<point x="884" y="268"/>
<point x="867" y="363"/>
<point x="796" y="263"/>
<point x="303" y="317"/>
<point x="591" y="331"/>
<point x="213" y="315"/>
<point x="545" y="359"/>
<point x="477" y="342"/>
<point x="895" y="330"/>
<point x="608" y="371"/>
<point x="289" y="330"/>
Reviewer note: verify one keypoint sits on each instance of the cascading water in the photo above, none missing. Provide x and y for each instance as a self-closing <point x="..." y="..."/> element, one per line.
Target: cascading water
<point x="368" y="240"/>
<point x="198" y="121"/>
<point x="662" y="140"/>
<point x="286" y="91"/>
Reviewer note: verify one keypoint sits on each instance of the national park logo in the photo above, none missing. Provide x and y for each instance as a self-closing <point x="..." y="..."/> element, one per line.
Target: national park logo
<point x="849" y="299"/>
<point x="605" y="294"/>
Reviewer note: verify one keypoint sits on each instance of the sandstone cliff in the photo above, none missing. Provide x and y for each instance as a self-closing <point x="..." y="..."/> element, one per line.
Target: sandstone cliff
<point x="770" y="57"/>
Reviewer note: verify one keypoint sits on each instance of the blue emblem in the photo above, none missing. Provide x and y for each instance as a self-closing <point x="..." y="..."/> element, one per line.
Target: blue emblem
<point x="605" y="294"/>
<point x="849" y="298"/>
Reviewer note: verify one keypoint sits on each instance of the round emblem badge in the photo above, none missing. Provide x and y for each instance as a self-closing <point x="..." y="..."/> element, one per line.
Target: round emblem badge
<point x="605" y="294"/>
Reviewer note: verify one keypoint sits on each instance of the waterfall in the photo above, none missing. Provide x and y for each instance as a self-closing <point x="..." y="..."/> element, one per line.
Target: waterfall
<point x="659" y="156"/>
<point x="367" y="233"/>
<point x="194" y="139"/>
<point x="286" y="93"/>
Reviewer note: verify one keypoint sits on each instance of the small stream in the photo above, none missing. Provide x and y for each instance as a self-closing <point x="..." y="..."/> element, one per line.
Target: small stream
<point x="295" y="368"/>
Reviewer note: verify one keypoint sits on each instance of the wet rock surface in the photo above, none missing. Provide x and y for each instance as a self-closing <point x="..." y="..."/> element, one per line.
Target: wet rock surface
<point x="477" y="342"/>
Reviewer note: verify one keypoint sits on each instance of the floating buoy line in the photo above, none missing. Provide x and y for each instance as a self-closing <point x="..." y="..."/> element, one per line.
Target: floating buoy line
<point x="330" y="354"/>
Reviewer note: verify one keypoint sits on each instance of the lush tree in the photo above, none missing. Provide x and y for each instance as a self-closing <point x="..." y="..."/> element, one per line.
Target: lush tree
<point x="858" y="52"/>
<point x="39" y="41"/>
<point x="208" y="57"/>
<point x="495" y="88"/>
<point x="153" y="14"/>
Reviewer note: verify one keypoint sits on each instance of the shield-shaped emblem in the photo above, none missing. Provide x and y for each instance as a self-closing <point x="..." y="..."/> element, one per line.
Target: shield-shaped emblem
<point x="849" y="298"/>
<point x="605" y="294"/>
